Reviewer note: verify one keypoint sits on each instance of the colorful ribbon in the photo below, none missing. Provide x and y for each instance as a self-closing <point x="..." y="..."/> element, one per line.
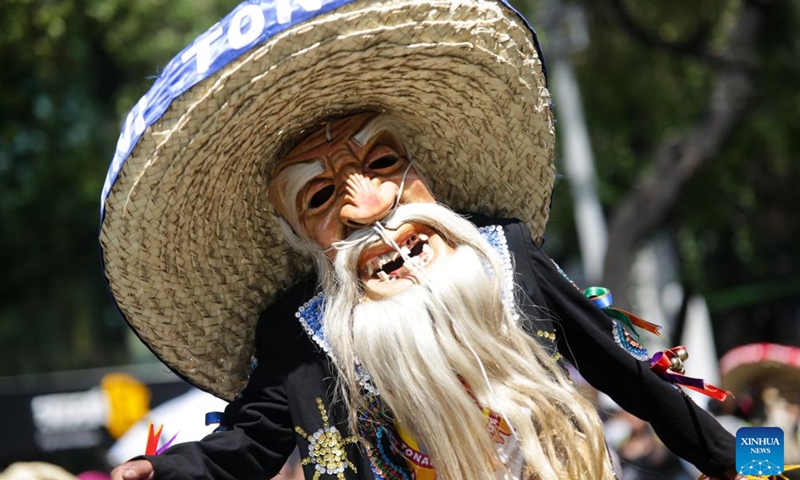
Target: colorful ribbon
<point x="152" y="441"/>
<point x="668" y="364"/>
<point x="603" y="299"/>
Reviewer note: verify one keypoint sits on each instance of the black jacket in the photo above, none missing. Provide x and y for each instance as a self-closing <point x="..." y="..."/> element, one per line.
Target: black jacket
<point x="288" y="397"/>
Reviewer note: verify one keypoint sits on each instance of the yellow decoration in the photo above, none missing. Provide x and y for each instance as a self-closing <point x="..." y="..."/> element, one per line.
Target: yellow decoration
<point x="326" y="450"/>
<point x="128" y="402"/>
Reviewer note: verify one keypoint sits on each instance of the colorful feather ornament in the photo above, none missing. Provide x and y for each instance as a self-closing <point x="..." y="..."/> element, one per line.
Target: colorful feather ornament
<point x="153" y="436"/>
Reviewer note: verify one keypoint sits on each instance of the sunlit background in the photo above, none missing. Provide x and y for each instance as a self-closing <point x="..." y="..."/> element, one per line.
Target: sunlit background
<point x="678" y="127"/>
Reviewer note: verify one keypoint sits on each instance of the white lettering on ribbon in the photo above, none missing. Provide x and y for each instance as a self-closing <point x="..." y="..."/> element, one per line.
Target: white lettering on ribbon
<point x="134" y="125"/>
<point x="283" y="8"/>
<point x="236" y="37"/>
<point x="138" y="121"/>
<point x="201" y="50"/>
<point x="127" y="131"/>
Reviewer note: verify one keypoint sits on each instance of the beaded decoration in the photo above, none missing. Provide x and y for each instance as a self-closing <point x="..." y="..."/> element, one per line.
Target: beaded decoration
<point x="380" y="442"/>
<point x="564" y="274"/>
<point x="310" y="316"/>
<point x="622" y="336"/>
<point x="496" y="237"/>
<point x="326" y="449"/>
<point x="628" y="342"/>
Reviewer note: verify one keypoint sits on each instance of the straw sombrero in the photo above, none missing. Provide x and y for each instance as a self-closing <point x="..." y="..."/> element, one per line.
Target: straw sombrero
<point x="192" y="250"/>
<point x="758" y="365"/>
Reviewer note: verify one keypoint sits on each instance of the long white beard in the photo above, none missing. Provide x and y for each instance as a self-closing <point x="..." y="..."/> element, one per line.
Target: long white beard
<point x="421" y="345"/>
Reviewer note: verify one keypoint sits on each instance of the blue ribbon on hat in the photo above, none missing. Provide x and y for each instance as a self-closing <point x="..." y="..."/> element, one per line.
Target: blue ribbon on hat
<point x="249" y="24"/>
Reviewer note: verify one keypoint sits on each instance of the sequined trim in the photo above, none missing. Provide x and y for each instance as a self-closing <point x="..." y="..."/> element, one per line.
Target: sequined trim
<point x="628" y="343"/>
<point x="622" y="337"/>
<point x="326" y="449"/>
<point x="380" y="441"/>
<point x="496" y="236"/>
<point x="563" y="274"/>
<point x="310" y="316"/>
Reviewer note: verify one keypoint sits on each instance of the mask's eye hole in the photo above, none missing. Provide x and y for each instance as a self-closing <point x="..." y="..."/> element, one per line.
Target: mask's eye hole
<point x="384" y="161"/>
<point x="321" y="197"/>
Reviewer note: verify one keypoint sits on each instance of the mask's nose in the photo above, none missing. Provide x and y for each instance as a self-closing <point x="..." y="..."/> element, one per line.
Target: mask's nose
<point x="366" y="200"/>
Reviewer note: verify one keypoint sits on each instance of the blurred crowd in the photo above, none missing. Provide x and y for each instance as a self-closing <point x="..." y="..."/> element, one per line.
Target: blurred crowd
<point x="764" y="380"/>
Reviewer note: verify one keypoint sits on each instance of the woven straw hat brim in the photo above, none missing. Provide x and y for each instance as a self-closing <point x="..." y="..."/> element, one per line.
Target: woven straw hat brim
<point x="192" y="249"/>
<point x="760" y="365"/>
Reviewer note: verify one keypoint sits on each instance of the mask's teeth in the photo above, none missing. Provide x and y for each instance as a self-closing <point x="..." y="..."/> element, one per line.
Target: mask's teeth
<point x="384" y="259"/>
<point x="423" y="237"/>
<point x="383" y="276"/>
<point x="405" y="251"/>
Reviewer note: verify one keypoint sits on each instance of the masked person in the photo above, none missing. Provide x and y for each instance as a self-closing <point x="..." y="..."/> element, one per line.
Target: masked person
<point x="277" y="228"/>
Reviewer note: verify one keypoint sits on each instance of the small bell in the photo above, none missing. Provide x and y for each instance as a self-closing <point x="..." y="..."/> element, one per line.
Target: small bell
<point x="682" y="353"/>
<point x="676" y="365"/>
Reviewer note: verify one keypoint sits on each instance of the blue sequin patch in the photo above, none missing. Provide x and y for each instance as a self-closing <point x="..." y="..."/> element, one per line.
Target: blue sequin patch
<point x="310" y="316"/>
<point x="627" y="342"/>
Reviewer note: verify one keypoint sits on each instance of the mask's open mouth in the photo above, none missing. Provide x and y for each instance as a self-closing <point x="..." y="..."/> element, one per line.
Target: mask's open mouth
<point x="391" y="265"/>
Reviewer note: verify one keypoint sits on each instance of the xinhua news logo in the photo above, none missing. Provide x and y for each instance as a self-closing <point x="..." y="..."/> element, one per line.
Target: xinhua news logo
<point x="759" y="451"/>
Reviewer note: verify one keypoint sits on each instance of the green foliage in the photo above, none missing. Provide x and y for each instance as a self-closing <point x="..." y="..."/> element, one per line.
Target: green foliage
<point x="71" y="69"/>
<point x="748" y="226"/>
<point x="735" y="222"/>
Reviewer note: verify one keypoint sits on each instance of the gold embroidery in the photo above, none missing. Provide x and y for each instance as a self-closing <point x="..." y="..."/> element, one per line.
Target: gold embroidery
<point x="326" y="448"/>
<point x="546" y="335"/>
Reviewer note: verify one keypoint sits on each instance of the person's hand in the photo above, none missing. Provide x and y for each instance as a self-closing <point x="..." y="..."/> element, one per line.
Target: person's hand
<point x="134" y="470"/>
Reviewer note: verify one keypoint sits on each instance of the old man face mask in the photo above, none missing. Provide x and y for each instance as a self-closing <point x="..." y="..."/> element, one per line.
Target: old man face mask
<point x="345" y="177"/>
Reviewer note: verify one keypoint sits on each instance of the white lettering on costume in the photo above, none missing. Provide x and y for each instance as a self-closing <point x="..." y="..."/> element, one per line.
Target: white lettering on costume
<point x="283" y="8"/>
<point x="239" y="39"/>
<point x="201" y="50"/>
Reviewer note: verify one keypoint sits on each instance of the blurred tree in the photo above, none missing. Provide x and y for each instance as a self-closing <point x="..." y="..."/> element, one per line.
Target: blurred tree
<point x="71" y="70"/>
<point x="693" y="113"/>
<point x="652" y="77"/>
